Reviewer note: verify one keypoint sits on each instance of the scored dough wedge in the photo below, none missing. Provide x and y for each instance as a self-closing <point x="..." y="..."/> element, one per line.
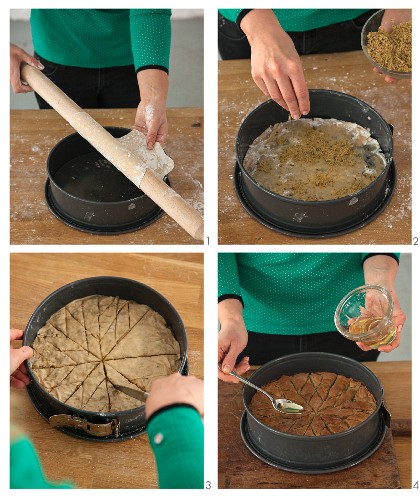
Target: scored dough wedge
<point x="95" y="343"/>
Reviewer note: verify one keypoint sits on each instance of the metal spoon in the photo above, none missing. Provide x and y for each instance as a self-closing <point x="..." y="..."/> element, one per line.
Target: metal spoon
<point x="281" y="405"/>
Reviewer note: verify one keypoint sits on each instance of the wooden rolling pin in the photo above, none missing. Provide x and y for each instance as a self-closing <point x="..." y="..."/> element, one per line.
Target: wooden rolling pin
<point x="164" y="196"/>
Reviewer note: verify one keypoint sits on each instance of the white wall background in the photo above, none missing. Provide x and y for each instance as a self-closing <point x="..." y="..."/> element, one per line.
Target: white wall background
<point x="23" y="14"/>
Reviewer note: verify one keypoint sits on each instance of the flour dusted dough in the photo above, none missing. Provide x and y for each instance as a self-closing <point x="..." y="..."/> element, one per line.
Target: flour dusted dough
<point x="315" y="159"/>
<point x="155" y="159"/>
<point x="95" y="343"/>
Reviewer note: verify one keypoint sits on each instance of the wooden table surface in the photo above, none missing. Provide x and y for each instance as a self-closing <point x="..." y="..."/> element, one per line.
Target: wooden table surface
<point x="350" y="73"/>
<point x="395" y="377"/>
<point x="88" y="464"/>
<point x="35" y="132"/>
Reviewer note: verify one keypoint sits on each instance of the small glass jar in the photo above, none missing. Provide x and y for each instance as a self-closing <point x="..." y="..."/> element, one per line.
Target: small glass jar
<point x="366" y="315"/>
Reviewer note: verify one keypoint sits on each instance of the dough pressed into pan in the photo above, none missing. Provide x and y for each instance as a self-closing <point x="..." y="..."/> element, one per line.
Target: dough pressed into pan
<point x="332" y="403"/>
<point x="97" y="342"/>
<point x="315" y="159"/>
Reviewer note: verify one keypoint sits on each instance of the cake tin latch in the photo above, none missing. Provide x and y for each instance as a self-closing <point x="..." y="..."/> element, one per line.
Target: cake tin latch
<point x="386" y="415"/>
<point x="107" y="429"/>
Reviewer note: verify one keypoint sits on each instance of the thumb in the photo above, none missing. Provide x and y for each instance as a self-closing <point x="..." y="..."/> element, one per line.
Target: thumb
<point x="18" y="356"/>
<point x="229" y="361"/>
<point x="151" y="134"/>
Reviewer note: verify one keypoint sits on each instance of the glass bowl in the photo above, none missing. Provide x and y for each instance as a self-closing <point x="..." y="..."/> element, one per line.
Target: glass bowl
<point x="366" y="315"/>
<point x="372" y="24"/>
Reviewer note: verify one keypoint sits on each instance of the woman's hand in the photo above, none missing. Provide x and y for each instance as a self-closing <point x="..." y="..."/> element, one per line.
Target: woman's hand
<point x="151" y="112"/>
<point x="17" y="57"/>
<point x="232" y="340"/>
<point x="18" y="375"/>
<point x="275" y="65"/>
<point x="391" y="18"/>
<point x="382" y="270"/>
<point x="398" y="320"/>
<point x="176" y="389"/>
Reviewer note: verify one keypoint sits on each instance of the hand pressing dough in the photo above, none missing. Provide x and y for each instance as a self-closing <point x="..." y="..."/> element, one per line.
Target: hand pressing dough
<point x="95" y="343"/>
<point x="135" y="144"/>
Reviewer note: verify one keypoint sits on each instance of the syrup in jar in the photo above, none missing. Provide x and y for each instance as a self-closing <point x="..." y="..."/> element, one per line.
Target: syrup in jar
<point x="375" y="330"/>
<point x="366" y="315"/>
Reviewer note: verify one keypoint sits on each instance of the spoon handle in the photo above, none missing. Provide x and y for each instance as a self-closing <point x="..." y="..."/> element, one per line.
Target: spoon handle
<point x="247" y="382"/>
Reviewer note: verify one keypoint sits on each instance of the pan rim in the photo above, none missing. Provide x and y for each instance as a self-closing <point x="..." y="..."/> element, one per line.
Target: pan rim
<point x="388" y="157"/>
<point x="73" y="284"/>
<point x="313" y="355"/>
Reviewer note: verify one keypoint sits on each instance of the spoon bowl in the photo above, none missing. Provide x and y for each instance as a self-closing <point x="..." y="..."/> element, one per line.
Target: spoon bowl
<point x="281" y="405"/>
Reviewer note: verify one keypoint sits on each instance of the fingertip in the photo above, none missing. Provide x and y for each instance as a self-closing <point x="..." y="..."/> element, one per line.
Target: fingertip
<point x="36" y="64"/>
<point x="27" y="351"/>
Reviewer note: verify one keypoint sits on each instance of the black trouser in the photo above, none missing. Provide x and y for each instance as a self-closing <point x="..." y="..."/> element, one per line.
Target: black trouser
<point x="94" y="88"/>
<point x="263" y="347"/>
<point x="339" y="37"/>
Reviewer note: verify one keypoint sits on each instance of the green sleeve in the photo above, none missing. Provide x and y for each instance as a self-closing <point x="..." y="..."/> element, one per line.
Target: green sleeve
<point x="300" y="19"/>
<point x="176" y="435"/>
<point x="230" y="14"/>
<point x="150" y="38"/>
<point x="228" y="277"/>
<point x="25" y="468"/>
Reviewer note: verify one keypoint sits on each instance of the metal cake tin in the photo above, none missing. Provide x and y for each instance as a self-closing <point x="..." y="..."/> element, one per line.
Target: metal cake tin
<point x="315" y="219"/>
<point x="314" y="454"/>
<point x="104" y="426"/>
<point x="88" y="193"/>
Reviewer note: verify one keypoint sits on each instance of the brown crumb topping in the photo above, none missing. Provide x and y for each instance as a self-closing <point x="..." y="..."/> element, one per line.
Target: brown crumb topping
<point x="392" y="50"/>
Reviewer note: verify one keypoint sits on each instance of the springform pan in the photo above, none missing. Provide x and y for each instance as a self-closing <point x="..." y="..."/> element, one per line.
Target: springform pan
<point x="86" y="192"/>
<point x="315" y="218"/>
<point x="315" y="454"/>
<point x="104" y="426"/>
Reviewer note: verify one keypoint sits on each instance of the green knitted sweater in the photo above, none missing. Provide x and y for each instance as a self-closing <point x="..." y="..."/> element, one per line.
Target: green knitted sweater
<point x="176" y="436"/>
<point x="103" y="38"/>
<point x="289" y="293"/>
<point x="302" y="19"/>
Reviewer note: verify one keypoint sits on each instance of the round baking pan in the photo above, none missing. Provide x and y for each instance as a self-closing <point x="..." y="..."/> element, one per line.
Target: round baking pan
<point x="338" y="231"/>
<point x="86" y="192"/>
<point x="125" y="424"/>
<point x="315" y="454"/>
<point x="316" y="218"/>
<point x="280" y="465"/>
